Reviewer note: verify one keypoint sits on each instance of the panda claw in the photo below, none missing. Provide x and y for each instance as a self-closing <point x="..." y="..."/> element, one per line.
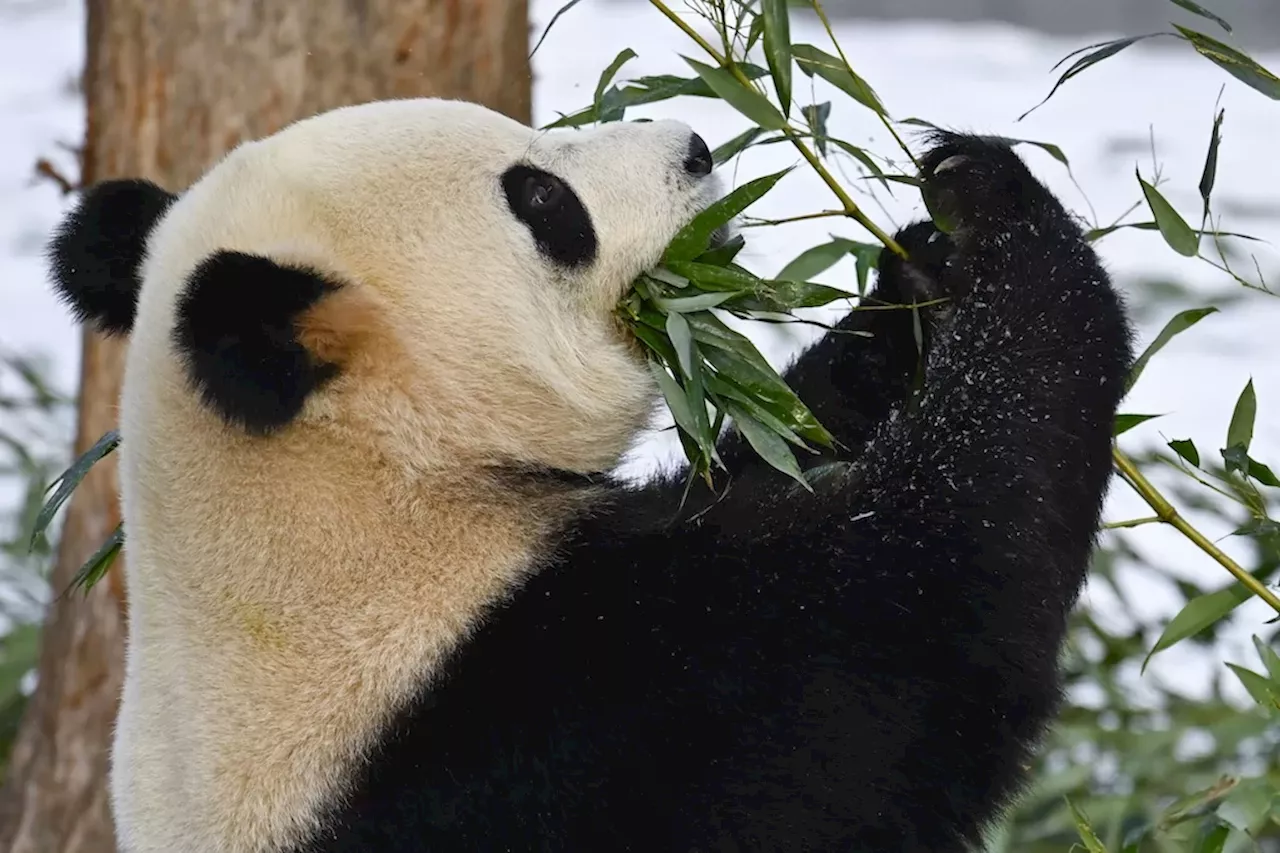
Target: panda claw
<point x="952" y="162"/>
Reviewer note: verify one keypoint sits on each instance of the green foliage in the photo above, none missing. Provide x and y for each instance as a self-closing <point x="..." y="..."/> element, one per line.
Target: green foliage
<point x="34" y="422"/>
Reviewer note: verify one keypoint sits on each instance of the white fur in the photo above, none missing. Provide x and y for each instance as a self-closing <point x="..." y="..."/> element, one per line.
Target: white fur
<point x="286" y="592"/>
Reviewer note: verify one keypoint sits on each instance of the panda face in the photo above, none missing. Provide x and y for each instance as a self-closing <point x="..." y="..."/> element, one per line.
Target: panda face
<point x="465" y="269"/>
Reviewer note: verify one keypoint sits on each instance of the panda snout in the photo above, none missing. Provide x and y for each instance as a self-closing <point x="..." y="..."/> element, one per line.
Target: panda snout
<point x="697" y="161"/>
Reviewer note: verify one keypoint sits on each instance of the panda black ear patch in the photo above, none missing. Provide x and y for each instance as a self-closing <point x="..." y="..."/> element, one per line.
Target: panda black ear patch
<point x="97" y="250"/>
<point x="238" y="327"/>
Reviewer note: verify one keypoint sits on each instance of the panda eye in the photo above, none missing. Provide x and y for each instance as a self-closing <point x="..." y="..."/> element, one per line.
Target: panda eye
<point x="543" y="192"/>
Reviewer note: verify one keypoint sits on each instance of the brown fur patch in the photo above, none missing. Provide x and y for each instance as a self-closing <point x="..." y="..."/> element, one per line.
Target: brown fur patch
<point x="338" y="326"/>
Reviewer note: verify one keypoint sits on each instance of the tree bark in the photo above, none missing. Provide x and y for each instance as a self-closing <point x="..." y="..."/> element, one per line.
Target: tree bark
<point x="169" y="88"/>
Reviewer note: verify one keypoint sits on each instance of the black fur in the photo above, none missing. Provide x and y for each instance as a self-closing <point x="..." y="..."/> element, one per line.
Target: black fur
<point x="236" y="329"/>
<point x="554" y="214"/>
<point x="96" y="251"/>
<point x="866" y="668"/>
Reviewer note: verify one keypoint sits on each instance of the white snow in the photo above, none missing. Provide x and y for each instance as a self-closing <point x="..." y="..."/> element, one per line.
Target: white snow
<point x="969" y="77"/>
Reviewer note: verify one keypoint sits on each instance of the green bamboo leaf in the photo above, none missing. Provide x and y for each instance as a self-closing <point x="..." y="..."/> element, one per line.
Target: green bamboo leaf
<point x="1175" y="230"/>
<point x="1091" y="841"/>
<point x="784" y="297"/>
<point x="1172" y="329"/>
<point x="1240" y="432"/>
<point x="690" y="304"/>
<point x="1269" y="658"/>
<point x="815" y="261"/>
<point x="1099" y="233"/>
<point x="1260" y="689"/>
<point x="1099" y="52"/>
<point x="1198" y="614"/>
<point x="816" y="115"/>
<point x="723" y="255"/>
<point x="723" y="390"/>
<point x="669" y="277"/>
<point x="865" y="159"/>
<point x="657" y="342"/>
<point x="676" y="400"/>
<point x="610" y="111"/>
<point x="710" y="331"/>
<point x="777" y="48"/>
<point x="650" y="90"/>
<point x="754" y="34"/>
<point x="96" y="566"/>
<point x="769" y="391"/>
<point x="1210" y="174"/>
<point x="742" y="98"/>
<point x="1197" y="9"/>
<point x="830" y="68"/>
<point x="1213" y="835"/>
<point x="1237" y="64"/>
<point x="565" y="8"/>
<point x="1186" y="449"/>
<point x="681" y="341"/>
<point x="769" y="445"/>
<point x="693" y="239"/>
<point x="1124" y="423"/>
<point x="712" y="277"/>
<point x="70" y="480"/>
<point x="735" y="146"/>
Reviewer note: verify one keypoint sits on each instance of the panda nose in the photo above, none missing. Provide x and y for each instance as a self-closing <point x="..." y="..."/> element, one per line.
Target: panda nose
<point x="698" y="162"/>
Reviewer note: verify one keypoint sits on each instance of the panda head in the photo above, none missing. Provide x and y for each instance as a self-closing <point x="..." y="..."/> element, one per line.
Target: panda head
<point x="427" y="273"/>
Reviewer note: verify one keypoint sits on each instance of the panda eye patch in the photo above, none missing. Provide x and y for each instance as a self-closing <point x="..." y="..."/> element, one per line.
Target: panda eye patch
<point x="553" y="213"/>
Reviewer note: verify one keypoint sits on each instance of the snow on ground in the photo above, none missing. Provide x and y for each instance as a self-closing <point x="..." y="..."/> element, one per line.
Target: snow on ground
<point x="969" y="77"/>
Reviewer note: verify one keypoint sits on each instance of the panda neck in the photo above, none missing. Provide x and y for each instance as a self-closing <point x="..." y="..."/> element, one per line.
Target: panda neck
<point x="246" y="626"/>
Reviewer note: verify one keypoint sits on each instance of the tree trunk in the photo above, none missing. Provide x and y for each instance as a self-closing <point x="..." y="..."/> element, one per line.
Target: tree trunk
<point x="170" y="87"/>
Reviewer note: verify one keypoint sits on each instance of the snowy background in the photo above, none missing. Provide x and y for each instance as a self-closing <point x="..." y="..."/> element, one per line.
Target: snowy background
<point x="969" y="76"/>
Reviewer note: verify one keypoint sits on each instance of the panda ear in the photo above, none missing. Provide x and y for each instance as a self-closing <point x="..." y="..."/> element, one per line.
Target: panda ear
<point x="96" y="252"/>
<point x="259" y="337"/>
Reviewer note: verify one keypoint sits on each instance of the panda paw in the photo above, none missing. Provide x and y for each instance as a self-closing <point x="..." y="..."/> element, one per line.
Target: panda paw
<point x="978" y="186"/>
<point x="991" y="206"/>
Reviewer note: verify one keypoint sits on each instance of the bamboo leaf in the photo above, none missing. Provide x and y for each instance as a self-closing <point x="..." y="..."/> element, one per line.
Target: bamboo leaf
<point x="70" y="479"/>
<point x="1186" y="449"/>
<point x="1240" y="432"/>
<point x="1210" y="174"/>
<point x="565" y="8"/>
<point x="1098" y="52"/>
<point x="1179" y="324"/>
<point x="97" y="565"/>
<point x="777" y="48"/>
<point x="1175" y="230"/>
<point x="1198" y="614"/>
<point x="693" y="239"/>
<point x="734" y="146"/>
<point x="1124" y="423"/>
<point x="1237" y="64"/>
<point x="742" y="98"/>
<point x="1269" y="658"/>
<point x="830" y="68"/>
<point x="610" y="111"/>
<point x="771" y="447"/>
<point x="681" y="341"/>
<point x="1197" y="9"/>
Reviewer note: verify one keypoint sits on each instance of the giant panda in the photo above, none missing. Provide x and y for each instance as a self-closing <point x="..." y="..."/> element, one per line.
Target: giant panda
<point x="385" y="593"/>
